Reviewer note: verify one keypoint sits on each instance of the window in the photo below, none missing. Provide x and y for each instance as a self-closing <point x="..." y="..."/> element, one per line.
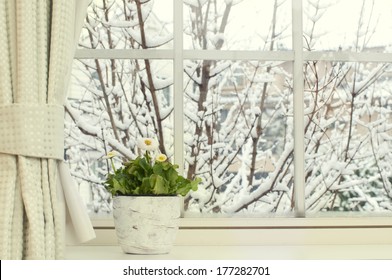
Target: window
<point x="282" y="107"/>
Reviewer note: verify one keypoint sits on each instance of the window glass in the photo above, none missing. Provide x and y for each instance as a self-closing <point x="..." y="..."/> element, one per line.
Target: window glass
<point x="238" y="136"/>
<point x="347" y="25"/>
<point x="118" y="24"/>
<point x="237" y="25"/>
<point x="111" y="104"/>
<point x="348" y="144"/>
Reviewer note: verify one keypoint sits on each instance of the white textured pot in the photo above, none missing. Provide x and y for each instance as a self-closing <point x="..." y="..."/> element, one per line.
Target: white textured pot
<point x="146" y="224"/>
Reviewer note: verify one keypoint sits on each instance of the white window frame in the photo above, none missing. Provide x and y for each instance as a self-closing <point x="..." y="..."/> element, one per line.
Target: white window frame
<point x="296" y="230"/>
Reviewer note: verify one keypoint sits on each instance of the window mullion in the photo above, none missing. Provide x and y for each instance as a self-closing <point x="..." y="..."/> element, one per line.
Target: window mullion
<point x="347" y="56"/>
<point x="123" y="54"/>
<point x="239" y="55"/>
<point x="178" y="85"/>
<point x="298" y="88"/>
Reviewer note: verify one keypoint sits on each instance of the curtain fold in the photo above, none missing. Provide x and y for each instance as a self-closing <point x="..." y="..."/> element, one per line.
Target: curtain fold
<point x="36" y="51"/>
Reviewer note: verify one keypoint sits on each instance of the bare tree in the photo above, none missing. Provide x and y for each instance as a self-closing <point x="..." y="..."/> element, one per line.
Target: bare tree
<point x="238" y="114"/>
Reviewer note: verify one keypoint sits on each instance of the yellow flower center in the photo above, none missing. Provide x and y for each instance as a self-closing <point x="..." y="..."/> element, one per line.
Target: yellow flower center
<point x="161" y="158"/>
<point x="148" y="142"/>
<point x="111" y="154"/>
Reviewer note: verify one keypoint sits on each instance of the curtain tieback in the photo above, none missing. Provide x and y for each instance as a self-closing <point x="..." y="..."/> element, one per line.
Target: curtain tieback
<point x="34" y="130"/>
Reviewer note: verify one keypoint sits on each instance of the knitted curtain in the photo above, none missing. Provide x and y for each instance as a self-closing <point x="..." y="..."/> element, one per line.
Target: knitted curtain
<point x="36" y="51"/>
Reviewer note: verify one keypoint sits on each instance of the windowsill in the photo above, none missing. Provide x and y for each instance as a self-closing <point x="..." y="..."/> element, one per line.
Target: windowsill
<point x="308" y="252"/>
<point x="268" y="239"/>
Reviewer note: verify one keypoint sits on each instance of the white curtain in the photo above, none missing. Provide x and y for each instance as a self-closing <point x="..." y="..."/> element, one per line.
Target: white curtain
<point x="37" y="42"/>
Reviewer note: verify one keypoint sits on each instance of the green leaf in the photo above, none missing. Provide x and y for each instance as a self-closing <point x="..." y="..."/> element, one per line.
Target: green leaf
<point x="158" y="184"/>
<point x="145" y="165"/>
<point x="186" y="185"/>
<point x="146" y="186"/>
<point x="117" y="187"/>
<point x="157" y="169"/>
<point x="172" y="176"/>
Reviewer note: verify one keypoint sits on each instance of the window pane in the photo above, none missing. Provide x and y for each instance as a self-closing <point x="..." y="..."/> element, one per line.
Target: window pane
<point x="238" y="136"/>
<point x="348" y="25"/>
<point x="116" y="24"/>
<point x="111" y="104"/>
<point x="237" y="25"/>
<point x="348" y="137"/>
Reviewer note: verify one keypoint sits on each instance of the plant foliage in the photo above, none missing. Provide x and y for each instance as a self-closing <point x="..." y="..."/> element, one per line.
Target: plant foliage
<point x="145" y="176"/>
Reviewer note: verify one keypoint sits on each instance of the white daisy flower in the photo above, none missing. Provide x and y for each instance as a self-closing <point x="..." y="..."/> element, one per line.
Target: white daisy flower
<point x="110" y="155"/>
<point x="148" y="144"/>
<point x="161" y="158"/>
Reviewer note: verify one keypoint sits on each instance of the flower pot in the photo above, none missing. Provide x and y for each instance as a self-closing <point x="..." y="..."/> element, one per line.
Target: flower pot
<point x="146" y="224"/>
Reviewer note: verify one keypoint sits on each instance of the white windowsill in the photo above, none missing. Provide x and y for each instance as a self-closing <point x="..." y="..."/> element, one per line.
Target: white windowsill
<point x="269" y="239"/>
<point x="270" y="232"/>
<point x="308" y="252"/>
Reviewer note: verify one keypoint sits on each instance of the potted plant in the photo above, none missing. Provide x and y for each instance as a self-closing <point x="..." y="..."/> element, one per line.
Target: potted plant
<point x="147" y="195"/>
